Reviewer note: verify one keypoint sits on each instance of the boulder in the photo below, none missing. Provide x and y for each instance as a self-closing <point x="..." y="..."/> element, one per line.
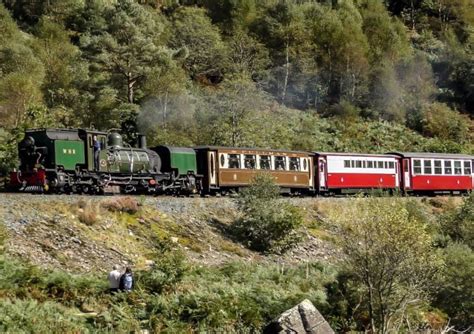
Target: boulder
<point x="304" y="318"/>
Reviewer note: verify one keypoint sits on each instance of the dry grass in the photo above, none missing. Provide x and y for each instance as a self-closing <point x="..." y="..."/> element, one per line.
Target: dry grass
<point x="121" y="204"/>
<point x="88" y="212"/>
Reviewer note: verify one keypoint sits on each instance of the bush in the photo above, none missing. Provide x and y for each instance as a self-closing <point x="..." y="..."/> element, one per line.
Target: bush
<point x="459" y="223"/>
<point x="455" y="294"/>
<point x="168" y="270"/>
<point x="266" y="224"/>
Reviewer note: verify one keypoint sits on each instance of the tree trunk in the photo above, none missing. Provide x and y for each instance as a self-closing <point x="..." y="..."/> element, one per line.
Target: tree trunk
<point x="165" y="111"/>
<point x="130" y="84"/>
<point x="287" y="73"/>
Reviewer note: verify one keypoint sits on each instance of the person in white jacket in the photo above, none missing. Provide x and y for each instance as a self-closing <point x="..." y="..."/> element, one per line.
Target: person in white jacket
<point x="114" y="279"/>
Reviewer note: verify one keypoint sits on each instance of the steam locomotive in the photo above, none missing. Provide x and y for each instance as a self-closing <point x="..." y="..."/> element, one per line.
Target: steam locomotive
<point x="66" y="161"/>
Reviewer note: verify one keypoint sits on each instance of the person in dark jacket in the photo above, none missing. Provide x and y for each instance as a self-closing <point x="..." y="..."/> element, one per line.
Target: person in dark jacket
<point x="126" y="280"/>
<point x="97" y="147"/>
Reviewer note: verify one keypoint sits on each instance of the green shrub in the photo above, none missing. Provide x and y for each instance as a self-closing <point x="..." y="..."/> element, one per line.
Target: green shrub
<point x="168" y="269"/>
<point x="458" y="224"/>
<point x="266" y="224"/>
<point x="455" y="294"/>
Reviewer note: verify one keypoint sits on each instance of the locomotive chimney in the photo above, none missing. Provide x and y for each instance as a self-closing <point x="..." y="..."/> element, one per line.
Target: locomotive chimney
<point x="142" y="141"/>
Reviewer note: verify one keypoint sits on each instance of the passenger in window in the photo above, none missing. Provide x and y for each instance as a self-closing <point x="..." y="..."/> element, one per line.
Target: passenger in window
<point x="294" y="164"/>
<point x="279" y="163"/>
<point x="249" y="162"/>
<point x="264" y="162"/>
<point x="234" y="161"/>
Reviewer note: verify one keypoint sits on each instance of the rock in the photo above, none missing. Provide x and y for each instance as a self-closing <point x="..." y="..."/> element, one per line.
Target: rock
<point x="174" y="240"/>
<point x="303" y="318"/>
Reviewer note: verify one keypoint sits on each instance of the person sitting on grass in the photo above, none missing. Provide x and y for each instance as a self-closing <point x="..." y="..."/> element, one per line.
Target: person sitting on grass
<point x="114" y="279"/>
<point x="126" y="281"/>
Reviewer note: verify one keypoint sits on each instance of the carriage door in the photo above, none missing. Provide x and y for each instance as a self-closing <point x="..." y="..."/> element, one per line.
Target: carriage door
<point x="211" y="160"/>
<point x="322" y="173"/>
<point x="406" y="174"/>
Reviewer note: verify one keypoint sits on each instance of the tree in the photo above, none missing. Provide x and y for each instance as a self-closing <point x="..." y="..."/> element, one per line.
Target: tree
<point x="21" y="73"/>
<point x="391" y="256"/>
<point x="441" y="121"/>
<point x="341" y="51"/>
<point x="229" y="116"/>
<point x="65" y="72"/>
<point x="281" y="28"/>
<point x="193" y="30"/>
<point x="126" y="46"/>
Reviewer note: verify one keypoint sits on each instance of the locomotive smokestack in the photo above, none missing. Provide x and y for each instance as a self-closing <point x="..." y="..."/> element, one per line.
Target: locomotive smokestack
<point x="142" y="141"/>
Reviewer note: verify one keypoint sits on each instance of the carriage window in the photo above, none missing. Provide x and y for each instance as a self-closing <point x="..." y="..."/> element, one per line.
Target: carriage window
<point x="448" y="168"/>
<point x="391" y="164"/>
<point x="437" y="167"/>
<point x="249" y="161"/>
<point x="358" y="164"/>
<point x="427" y="165"/>
<point x="305" y="164"/>
<point x="370" y="164"/>
<point x="294" y="164"/>
<point x="264" y="162"/>
<point x="347" y="164"/>
<point x="467" y="167"/>
<point x="379" y="164"/>
<point x="364" y="164"/>
<point x="417" y="166"/>
<point x="234" y="160"/>
<point x="280" y="163"/>
<point x="222" y="160"/>
<point x="457" y="168"/>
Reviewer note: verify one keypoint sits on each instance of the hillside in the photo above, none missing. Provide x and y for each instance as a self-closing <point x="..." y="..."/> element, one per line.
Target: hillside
<point x="281" y="74"/>
<point x="192" y="274"/>
<point x="79" y="234"/>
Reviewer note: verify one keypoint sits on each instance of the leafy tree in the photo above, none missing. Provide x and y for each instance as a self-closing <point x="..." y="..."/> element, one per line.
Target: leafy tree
<point x="127" y="46"/>
<point x="443" y="122"/>
<point x="391" y="257"/>
<point x="21" y="73"/>
<point x="65" y="72"/>
<point x="229" y="115"/>
<point x="281" y="28"/>
<point x="342" y="50"/>
<point x="193" y="30"/>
